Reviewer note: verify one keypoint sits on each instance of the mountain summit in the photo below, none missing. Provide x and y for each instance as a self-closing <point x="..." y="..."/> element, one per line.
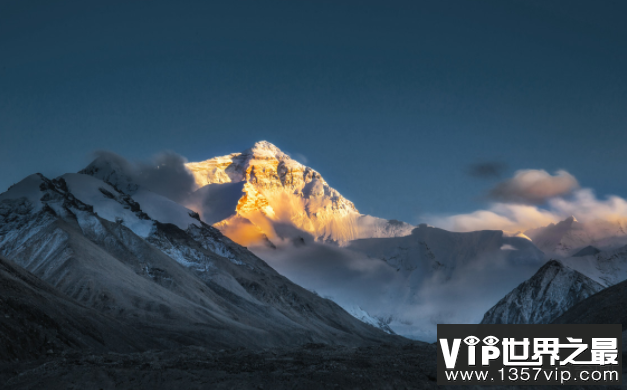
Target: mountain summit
<point x="281" y="198"/>
<point x="545" y="296"/>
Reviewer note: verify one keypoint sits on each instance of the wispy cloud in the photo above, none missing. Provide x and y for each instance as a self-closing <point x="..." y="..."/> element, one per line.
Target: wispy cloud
<point x="300" y="158"/>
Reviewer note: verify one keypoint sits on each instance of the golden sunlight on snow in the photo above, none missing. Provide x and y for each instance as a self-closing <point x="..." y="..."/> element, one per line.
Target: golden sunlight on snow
<point x="280" y="193"/>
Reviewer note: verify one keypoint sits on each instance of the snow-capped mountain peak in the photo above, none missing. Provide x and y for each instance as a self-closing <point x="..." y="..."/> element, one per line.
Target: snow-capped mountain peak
<point x="279" y="190"/>
<point x="261" y="148"/>
<point x="545" y="296"/>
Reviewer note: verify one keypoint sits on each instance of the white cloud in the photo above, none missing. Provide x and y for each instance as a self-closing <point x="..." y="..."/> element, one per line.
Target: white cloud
<point x="499" y="216"/>
<point x="518" y="208"/>
<point x="533" y="186"/>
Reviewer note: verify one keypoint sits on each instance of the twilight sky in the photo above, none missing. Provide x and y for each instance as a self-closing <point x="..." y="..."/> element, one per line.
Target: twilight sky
<point x="394" y="103"/>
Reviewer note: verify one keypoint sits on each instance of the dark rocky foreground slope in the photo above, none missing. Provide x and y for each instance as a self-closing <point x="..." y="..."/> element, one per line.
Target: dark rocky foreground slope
<point x="36" y="320"/>
<point x="606" y="307"/>
<point x="311" y="366"/>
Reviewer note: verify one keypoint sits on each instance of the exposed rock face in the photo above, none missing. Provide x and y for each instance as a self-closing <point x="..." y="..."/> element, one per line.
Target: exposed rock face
<point x="174" y="275"/>
<point x="280" y="190"/>
<point x="545" y="296"/>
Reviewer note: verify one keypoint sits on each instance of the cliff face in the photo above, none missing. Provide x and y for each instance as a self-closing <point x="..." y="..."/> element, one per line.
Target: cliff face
<point x="280" y="193"/>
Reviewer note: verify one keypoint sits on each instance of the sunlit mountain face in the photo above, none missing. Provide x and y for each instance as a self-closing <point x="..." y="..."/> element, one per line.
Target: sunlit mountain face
<point x="270" y="196"/>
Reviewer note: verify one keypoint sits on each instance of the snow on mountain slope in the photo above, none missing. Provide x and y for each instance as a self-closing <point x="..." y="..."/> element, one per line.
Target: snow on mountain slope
<point x="112" y="205"/>
<point x="280" y="190"/>
<point x="191" y="286"/>
<point x="597" y="249"/>
<point x="162" y="209"/>
<point x="87" y="257"/>
<point x="545" y="296"/>
<point x="107" y="202"/>
<point x="364" y="316"/>
<point x="120" y="187"/>
<point x="569" y="236"/>
<point x="606" y="267"/>
<point x="429" y="248"/>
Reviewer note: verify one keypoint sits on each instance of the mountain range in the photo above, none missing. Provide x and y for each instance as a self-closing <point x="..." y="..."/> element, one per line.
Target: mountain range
<point x="257" y="249"/>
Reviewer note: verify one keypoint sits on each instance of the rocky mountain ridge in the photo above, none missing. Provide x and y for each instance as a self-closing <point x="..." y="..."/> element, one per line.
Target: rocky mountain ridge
<point x="177" y="277"/>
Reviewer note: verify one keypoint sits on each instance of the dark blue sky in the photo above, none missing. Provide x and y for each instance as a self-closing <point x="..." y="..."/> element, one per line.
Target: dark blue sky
<point x="390" y="101"/>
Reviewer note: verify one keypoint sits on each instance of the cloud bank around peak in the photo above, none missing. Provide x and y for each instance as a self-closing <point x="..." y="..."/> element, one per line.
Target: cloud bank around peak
<point x="532" y="199"/>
